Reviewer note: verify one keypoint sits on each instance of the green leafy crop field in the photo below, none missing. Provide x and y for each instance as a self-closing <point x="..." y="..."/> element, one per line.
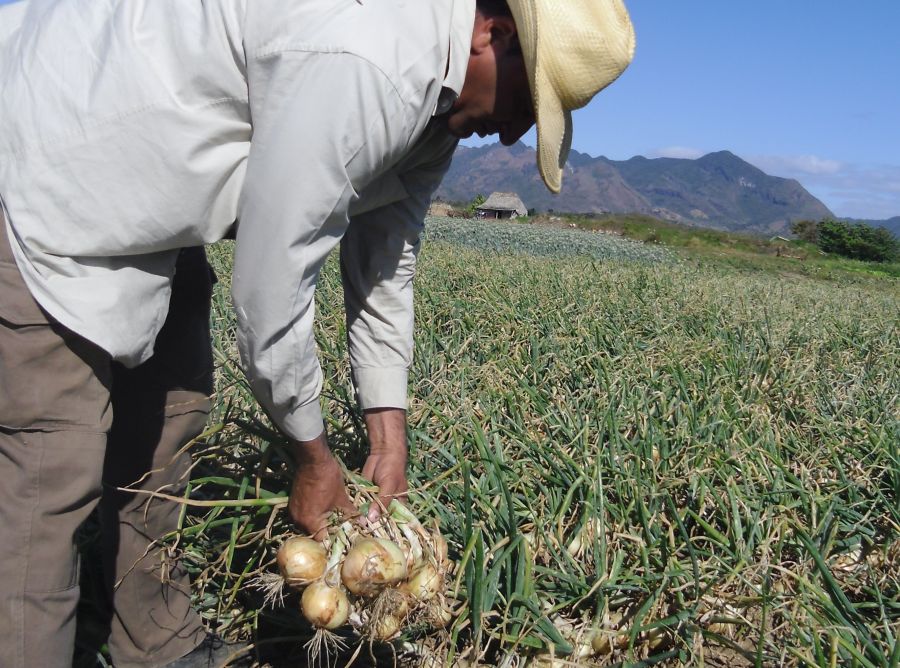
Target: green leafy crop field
<point x="633" y="458"/>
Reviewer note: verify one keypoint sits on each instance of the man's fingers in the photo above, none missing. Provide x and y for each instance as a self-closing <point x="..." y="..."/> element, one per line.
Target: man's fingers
<point x="318" y="528"/>
<point x="379" y="504"/>
<point x="388" y="493"/>
<point x="388" y="472"/>
<point x="316" y="495"/>
<point x="375" y="509"/>
<point x="398" y="493"/>
<point x="321" y="534"/>
<point x="345" y="505"/>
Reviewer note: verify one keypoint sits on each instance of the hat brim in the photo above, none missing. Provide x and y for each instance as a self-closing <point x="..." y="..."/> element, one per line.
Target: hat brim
<point x="554" y="123"/>
<point x="554" y="132"/>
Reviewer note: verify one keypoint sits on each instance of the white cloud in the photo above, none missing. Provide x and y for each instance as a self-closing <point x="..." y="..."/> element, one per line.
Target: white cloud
<point x="796" y="164"/>
<point x="848" y="189"/>
<point x="868" y="191"/>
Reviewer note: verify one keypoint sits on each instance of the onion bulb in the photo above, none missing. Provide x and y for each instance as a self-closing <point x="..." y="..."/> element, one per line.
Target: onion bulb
<point x="440" y="617"/>
<point x="612" y="637"/>
<point x="371" y="564"/>
<point x="384" y="627"/>
<point x="604" y="642"/>
<point x="301" y="560"/>
<point x="424" y="584"/>
<point x="324" y="606"/>
<point x="656" y="637"/>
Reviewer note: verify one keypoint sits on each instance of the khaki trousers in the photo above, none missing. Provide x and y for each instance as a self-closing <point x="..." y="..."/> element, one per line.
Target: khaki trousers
<point x="75" y="426"/>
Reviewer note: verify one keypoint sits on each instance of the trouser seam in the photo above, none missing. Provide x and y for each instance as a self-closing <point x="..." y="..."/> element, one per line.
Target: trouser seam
<point x="50" y="429"/>
<point x="35" y="485"/>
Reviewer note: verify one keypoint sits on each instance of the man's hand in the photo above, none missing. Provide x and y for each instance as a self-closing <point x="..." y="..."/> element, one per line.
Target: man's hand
<point x="318" y="487"/>
<point x="386" y="465"/>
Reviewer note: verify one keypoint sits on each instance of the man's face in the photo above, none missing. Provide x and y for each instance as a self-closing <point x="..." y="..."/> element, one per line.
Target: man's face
<point x="495" y="98"/>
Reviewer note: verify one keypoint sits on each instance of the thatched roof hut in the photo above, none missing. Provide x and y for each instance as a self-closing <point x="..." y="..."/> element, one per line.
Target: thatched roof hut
<point x="502" y="205"/>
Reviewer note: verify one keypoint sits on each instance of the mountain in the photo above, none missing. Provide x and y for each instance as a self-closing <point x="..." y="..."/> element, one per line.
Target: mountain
<point x="892" y="225"/>
<point x="718" y="190"/>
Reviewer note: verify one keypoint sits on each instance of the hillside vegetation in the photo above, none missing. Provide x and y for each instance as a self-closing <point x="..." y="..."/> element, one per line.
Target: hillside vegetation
<point x="688" y="461"/>
<point x="753" y="252"/>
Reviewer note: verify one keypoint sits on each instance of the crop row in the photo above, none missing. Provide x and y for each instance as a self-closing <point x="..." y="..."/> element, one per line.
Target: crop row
<point x="680" y="463"/>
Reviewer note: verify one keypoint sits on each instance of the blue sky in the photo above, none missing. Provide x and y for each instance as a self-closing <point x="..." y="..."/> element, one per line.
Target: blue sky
<point x="807" y="89"/>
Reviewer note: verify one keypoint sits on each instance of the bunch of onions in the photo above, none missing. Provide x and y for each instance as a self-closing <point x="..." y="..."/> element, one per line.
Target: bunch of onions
<point x="393" y="569"/>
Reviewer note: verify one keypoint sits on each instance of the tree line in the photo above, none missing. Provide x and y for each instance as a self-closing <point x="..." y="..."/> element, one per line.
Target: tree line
<point x="858" y="241"/>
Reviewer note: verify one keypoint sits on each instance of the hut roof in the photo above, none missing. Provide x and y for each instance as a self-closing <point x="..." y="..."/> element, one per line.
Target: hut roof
<point x="505" y="202"/>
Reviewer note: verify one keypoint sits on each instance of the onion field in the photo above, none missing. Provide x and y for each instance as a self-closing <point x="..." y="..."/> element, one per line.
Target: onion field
<point x="636" y="458"/>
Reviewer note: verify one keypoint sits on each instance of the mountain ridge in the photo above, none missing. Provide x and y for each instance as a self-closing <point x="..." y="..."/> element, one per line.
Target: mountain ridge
<point x="890" y="224"/>
<point x="718" y="190"/>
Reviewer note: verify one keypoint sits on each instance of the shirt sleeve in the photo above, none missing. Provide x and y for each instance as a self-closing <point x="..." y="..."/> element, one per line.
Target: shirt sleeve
<point x="324" y="125"/>
<point x="378" y="263"/>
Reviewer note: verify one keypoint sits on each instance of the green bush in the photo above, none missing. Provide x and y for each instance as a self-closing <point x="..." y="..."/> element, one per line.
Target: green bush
<point x="858" y="241"/>
<point x="806" y="230"/>
<point x="476" y="202"/>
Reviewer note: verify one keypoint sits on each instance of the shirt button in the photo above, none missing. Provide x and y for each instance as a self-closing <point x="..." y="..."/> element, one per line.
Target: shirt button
<point x="445" y="101"/>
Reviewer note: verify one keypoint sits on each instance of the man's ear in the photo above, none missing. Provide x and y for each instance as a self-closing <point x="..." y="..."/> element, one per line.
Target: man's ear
<point x="481" y="33"/>
<point x="497" y="32"/>
<point x="504" y="36"/>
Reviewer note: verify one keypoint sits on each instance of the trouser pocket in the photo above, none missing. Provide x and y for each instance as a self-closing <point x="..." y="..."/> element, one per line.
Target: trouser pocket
<point x="50" y="378"/>
<point x="17" y="306"/>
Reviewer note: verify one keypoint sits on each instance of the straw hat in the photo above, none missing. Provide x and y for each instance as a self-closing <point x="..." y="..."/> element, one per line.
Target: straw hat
<point x="573" y="49"/>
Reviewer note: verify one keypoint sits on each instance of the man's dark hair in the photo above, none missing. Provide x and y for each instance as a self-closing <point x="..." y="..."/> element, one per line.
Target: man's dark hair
<point x="493" y="7"/>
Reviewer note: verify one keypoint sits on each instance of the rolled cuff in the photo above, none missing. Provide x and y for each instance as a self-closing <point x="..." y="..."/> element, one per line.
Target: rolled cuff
<point x="304" y="423"/>
<point x="381" y="387"/>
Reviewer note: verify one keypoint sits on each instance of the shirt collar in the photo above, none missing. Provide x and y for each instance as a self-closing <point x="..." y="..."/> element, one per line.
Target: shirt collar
<point x="462" y="18"/>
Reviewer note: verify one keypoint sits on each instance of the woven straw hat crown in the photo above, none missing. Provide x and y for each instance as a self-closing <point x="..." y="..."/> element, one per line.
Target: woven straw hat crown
<point x="573" y="49"/>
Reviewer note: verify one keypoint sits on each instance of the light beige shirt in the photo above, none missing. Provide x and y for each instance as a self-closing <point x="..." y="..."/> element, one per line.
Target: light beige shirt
<point x="10" y="18"/>
<point x="133" y="128"/>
